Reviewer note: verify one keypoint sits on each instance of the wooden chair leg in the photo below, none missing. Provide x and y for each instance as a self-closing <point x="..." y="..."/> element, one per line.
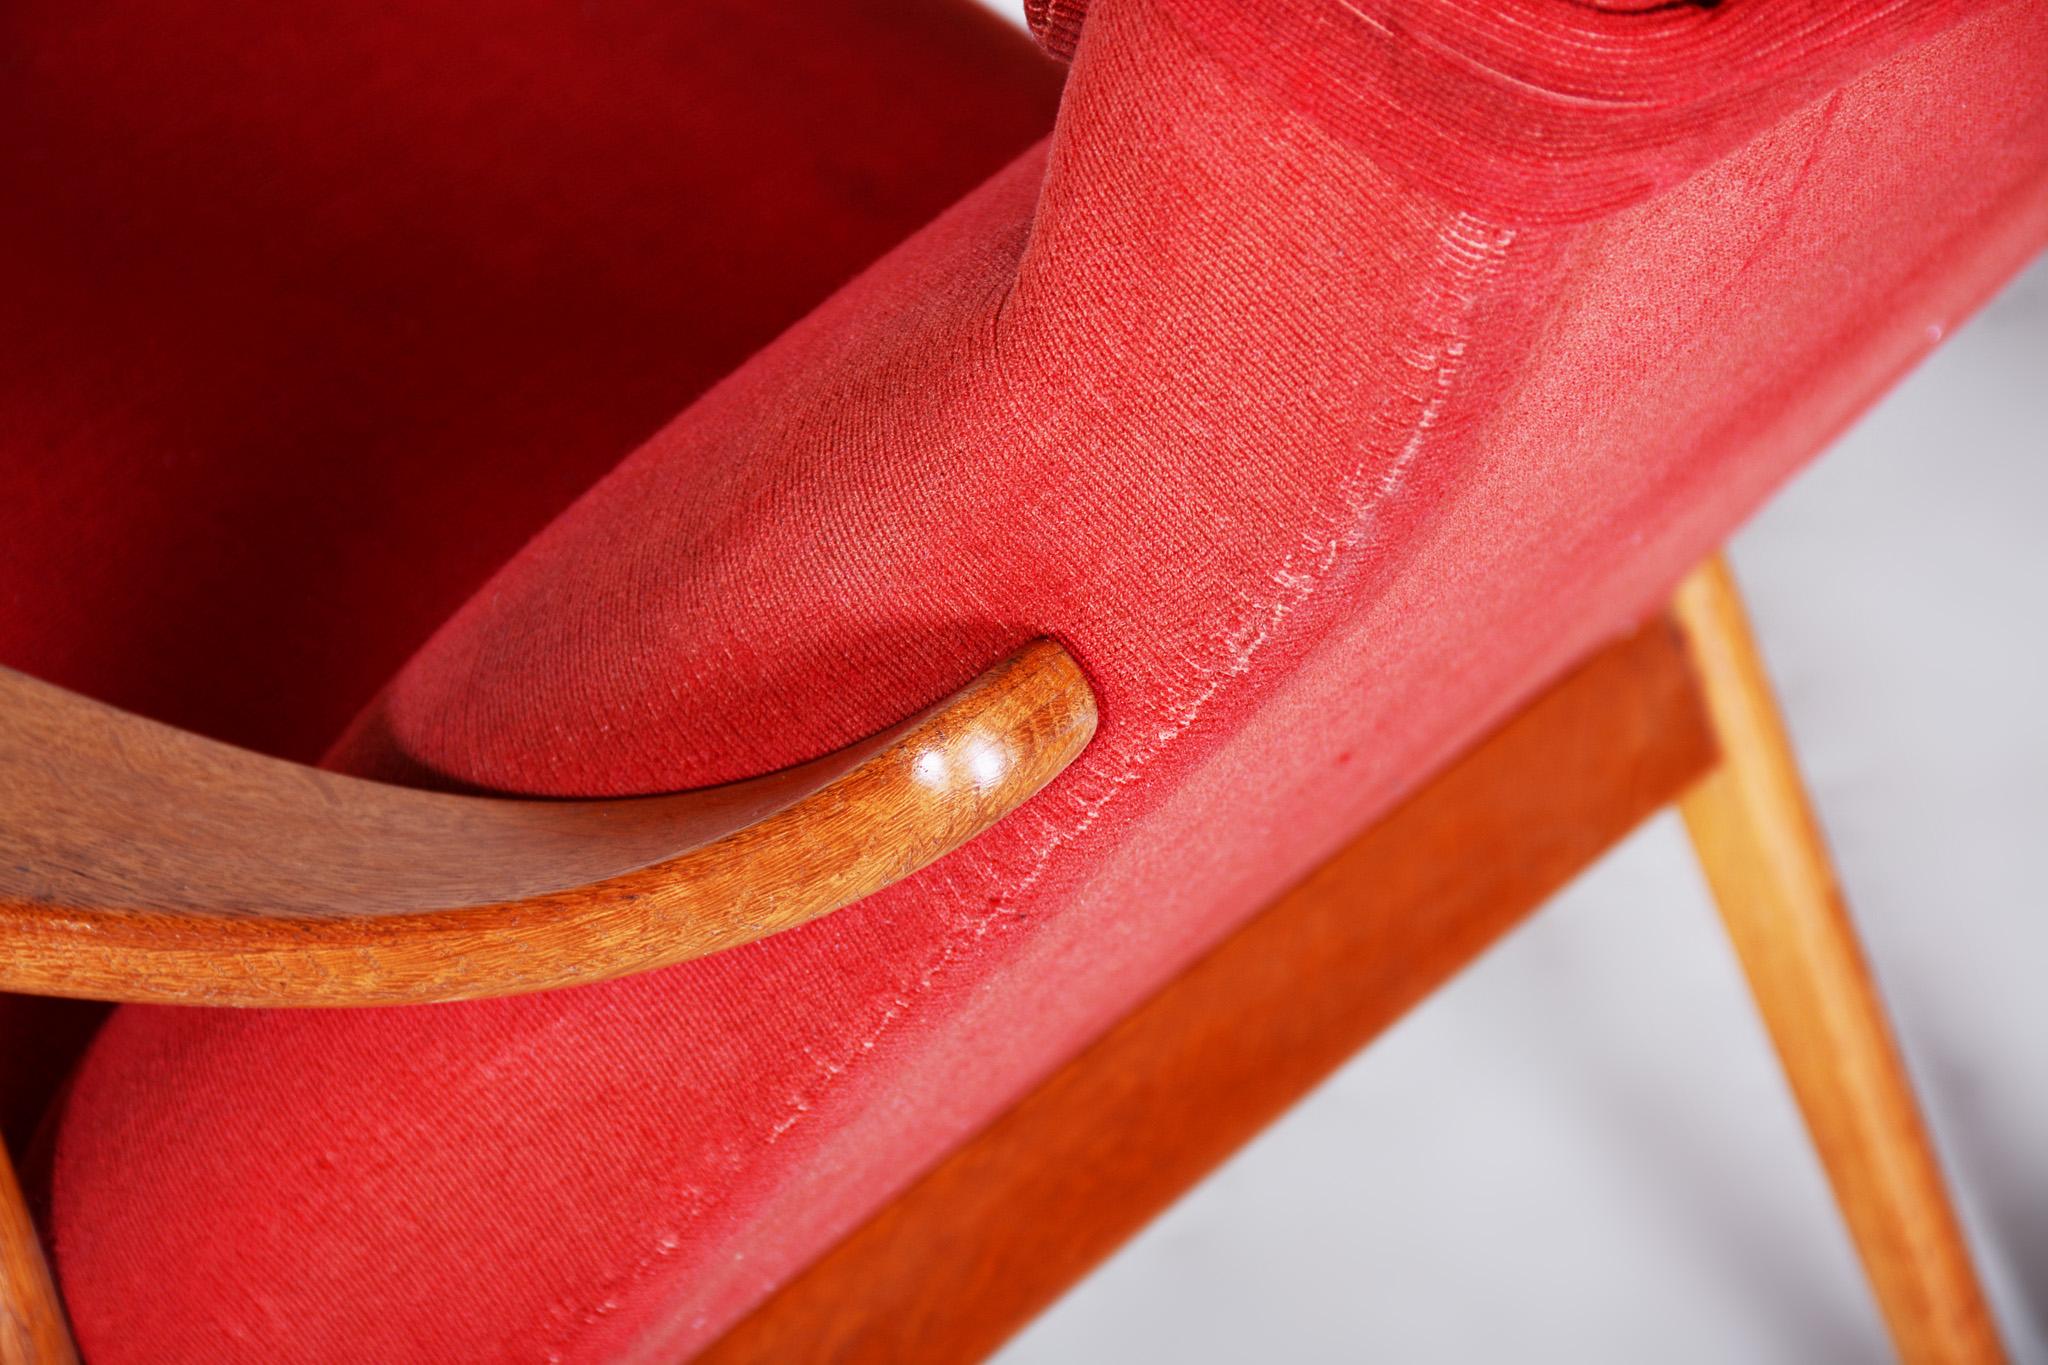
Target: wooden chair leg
<point x="32" y="1328"/>
<point x="1763" y="854"/>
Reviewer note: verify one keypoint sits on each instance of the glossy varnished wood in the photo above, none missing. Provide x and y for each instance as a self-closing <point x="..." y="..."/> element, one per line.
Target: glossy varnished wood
<point x="140" y="862"/>
<point x="32" y="1327"/>
<point x="1760" y="845"/>
<point x="983" y="1241"/>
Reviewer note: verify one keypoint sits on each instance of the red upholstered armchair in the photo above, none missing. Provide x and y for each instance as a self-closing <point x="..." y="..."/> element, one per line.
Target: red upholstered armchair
<point x="502" y="400"/>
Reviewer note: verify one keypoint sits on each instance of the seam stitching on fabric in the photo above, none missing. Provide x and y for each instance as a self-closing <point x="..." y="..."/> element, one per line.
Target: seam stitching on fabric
<point x="1474" y="250"/>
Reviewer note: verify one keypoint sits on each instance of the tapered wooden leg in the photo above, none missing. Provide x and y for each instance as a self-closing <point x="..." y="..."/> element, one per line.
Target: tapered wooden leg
<point x="1763" y="854"/>
<point x="32" y="1330"/>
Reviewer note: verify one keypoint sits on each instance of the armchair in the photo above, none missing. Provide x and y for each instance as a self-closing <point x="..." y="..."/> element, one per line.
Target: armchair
<point x="1344" y="388"/>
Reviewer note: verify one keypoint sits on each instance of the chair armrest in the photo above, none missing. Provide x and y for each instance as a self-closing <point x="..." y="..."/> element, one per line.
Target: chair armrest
<point x="140" y="862"/>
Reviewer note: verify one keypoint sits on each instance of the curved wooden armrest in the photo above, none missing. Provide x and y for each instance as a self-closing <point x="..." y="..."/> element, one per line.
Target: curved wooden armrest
<point x="141" y="862"/>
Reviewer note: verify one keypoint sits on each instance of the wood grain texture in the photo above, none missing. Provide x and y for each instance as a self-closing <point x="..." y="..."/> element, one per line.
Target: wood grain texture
<point x="32" y="1326"/>
<point x="140" y="862"/>
<point x="1006" y="1223"/>
<point x="1762" y="850"/>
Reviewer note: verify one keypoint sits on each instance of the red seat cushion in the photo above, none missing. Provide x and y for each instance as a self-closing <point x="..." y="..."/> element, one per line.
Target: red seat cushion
<point x="1318" y="464"/>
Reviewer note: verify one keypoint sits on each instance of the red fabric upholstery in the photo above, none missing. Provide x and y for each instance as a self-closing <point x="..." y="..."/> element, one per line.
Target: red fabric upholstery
<point x="312" y="318"/>
<point x="1056" y="24"/>
<point x="1317" y="462"/>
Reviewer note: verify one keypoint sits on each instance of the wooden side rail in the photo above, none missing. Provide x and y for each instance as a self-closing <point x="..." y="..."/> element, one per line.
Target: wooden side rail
<point x="141" y="862"/>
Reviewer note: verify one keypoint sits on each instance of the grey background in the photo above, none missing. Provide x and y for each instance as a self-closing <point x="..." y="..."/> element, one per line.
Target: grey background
<point x="1582" y="1150"/>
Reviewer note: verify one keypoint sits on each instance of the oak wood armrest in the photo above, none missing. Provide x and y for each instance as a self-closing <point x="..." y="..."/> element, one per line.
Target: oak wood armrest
<point x="142" y="862"/>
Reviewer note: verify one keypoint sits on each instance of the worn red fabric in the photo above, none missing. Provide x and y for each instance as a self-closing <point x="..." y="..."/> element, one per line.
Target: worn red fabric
<point x="313" y="316"/>
<point x="1056" y="24"/>
<point x="1317" y="462"/>
<point x="1547" y="110"/>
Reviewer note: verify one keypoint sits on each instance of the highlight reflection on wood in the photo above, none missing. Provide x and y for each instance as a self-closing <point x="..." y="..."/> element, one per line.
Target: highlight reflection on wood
<point x="141" y="862"/>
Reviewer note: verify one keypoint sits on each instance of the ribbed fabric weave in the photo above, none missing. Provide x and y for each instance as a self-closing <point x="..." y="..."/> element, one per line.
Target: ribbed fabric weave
<point x="1317" y="462"/>
<point x="1057" y="25"/>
